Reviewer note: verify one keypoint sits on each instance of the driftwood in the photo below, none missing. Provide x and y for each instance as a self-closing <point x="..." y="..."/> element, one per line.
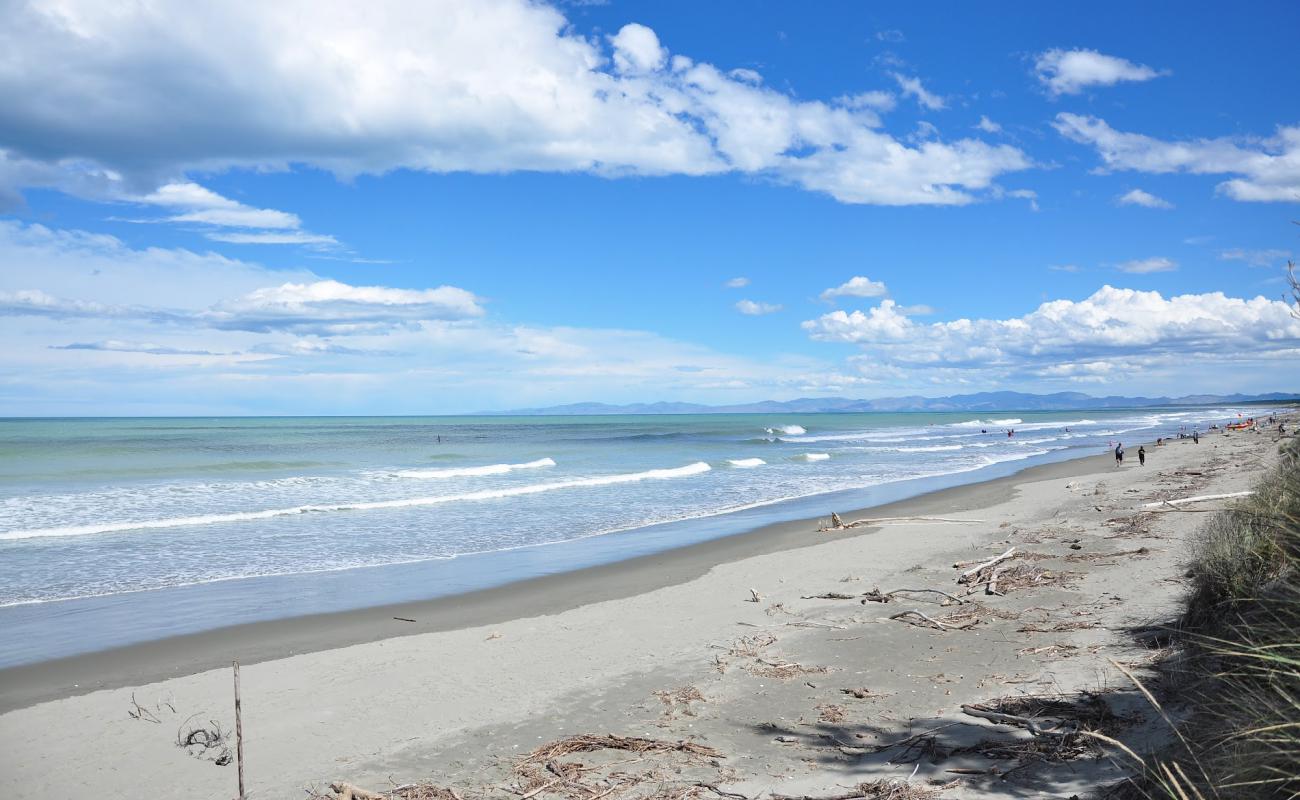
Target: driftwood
<point x="971" y="573"/>
<point x="1033" y="726"/>
<point x="875" y="596"/>
<point x="347" y="791"/>
<point x="838" y="524"/>
<point x="992" y="587"/>
<point x="937" y="624"/>
<point x="1197" y="499"/>
<point x="239" y="733"/>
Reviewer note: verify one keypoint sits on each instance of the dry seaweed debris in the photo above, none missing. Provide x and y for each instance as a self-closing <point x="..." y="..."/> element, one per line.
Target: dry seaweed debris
<point x="410" y="791"/>
<point x="206" y="743"/>
<point x="1060" y="727"/>
<point x="750" y="646"/>
<point x="1140" y="551"/>
<point x="883" y="789"/>
<point x="587" y="743"/>
<point x="1025" y="576"/>
<point x="784" y="670"/>
<point x="678" y="701"/>
<point x="830" y="712"/>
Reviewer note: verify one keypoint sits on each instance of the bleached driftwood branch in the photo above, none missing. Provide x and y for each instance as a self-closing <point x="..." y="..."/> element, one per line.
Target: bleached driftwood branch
<point x="1197" y="499"/>
<point x="966" y="576"/>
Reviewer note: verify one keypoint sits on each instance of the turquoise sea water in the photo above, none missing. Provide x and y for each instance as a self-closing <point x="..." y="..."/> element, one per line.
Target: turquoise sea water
<point x="130" y="515"/>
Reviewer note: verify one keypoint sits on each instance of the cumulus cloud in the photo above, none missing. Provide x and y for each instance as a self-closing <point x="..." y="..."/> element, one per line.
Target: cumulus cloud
<point x="1267" y="169"/>
<point x="987" y="125"/>
<point x="1142" y="266"/>
<point x="1111" y="324"/>
<point x="1137" y="197"/>
<point x="857" y="286"/>
<point x="756" y="309"/>
<point x="737" y="283"/>
<point x="334" y="86"/>
<point x="1072" y="71"/>
<point x="912" y="87"/>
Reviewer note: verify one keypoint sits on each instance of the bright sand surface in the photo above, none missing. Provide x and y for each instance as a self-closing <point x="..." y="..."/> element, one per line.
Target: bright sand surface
<point x="479" y="679"/>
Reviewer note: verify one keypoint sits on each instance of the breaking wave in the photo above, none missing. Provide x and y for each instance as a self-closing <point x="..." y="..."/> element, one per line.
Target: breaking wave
<point x="462" y="472"/>
<point x="244" y="516"/>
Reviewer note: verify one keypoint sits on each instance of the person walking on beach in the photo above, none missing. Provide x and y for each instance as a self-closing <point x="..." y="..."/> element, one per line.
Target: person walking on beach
<point x="1196" y="437"/>
<point x="1142" y="456"/>
<point x="1119" y="454"/>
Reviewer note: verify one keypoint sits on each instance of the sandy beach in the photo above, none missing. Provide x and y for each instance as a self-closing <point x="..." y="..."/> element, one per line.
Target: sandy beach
<point x="760" y="648"/>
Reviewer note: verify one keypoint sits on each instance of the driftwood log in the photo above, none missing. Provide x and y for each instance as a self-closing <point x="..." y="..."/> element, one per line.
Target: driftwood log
<point x="973" y="572"/>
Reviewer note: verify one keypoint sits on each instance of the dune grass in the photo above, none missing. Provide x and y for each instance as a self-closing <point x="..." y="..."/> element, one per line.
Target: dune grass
<point x="1237" y="675"/>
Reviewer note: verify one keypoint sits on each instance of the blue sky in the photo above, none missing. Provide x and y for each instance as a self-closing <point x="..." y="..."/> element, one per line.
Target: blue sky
<point x="409" y="208"/>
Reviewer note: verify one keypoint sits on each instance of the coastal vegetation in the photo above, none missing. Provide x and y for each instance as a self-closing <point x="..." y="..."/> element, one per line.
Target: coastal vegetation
<point x="1236" y="667"/>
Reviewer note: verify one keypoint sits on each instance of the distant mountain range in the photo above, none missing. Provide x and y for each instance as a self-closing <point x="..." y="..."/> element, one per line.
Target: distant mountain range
<point x="980" y="401"/>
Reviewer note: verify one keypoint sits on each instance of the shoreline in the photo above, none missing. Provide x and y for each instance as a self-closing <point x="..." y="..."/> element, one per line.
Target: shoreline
<point x="267" y="640"/>
<point x="809" y="689"/>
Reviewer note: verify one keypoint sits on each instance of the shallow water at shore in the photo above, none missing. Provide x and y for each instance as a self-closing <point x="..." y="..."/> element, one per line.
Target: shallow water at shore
<point x="136" y="516"/>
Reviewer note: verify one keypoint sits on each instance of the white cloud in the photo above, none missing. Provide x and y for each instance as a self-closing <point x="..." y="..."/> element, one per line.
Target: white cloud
<point x="1257" y="258"/>
<point x="755" y="309"/>
<point x="199" y="204"/>
<point x="1142" y="266"/>
<point x="94" y="326"/>
<point x="330" y="307"/>
<point x="1112" y="323"/>
<point x="987" y="125"/>
<point x="912" y="87"/>
<point x="857" y="286"/>
<point x="890" y="35"/>
<point x="114" y="346"/>
<point x="271" y="237"/>
<point x="1268" y="169"/>
<point x="637" y="50"/>
<point x="329" y="85"/>
<point x="737" y="283"/>
<point x="1065" y="267"/>
<point x="875" y="100"/>
<point x="1072" y="71"/>
<point x="1137" y="197"/>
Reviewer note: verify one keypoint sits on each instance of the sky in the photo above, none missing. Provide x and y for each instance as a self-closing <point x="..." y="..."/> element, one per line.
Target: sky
<point x="438" y="207"/>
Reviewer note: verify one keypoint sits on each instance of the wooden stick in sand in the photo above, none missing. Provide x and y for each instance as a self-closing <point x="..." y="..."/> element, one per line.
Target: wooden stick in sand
<point x="978" y="568"/>
<point x="239" y="732"/>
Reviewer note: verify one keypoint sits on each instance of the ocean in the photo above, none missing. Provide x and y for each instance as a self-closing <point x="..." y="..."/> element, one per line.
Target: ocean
<point x="123" y="530"/>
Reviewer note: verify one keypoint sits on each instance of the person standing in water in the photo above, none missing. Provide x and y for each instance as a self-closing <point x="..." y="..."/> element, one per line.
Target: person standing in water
<point x="1142" y="456"/>
<point x="1119" y="454"/>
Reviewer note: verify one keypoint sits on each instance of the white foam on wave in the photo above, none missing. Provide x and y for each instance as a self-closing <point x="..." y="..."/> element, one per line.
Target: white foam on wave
<point x="813" y="456"/>
<point x="412" y="502"/>
<point x="465" y="472"/>
<point x="932" y="448"/>
<point x="991" y="423"/>
<point x="746" y="463"/>
<point x="789" y="430"/>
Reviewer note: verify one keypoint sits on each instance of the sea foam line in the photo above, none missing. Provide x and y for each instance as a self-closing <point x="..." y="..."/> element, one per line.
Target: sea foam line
<point x="463" y="472"/>
<point x="245" y="516"/>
